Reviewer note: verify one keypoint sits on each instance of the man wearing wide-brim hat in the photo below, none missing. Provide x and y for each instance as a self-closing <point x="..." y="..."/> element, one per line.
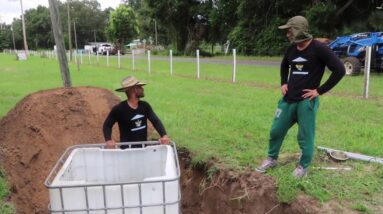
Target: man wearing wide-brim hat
<point x="302" y="69"/>
<point x="132" y="115"/>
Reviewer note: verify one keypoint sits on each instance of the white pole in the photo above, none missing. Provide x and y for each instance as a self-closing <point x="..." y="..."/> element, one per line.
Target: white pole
<point x="98" y="59"/>
<point x="119" y="58"/>
<point x="197" y="64"/>
<point x="234" y="63"/>
<point x="89" y="58"/>
<point x="171" y="62"/>
<point x="107" y="58"/>
<point x="367" y="66"/>
<point x="149" y="61"/>
<point x="81" y="57"/>
<point x="133" y="59"/>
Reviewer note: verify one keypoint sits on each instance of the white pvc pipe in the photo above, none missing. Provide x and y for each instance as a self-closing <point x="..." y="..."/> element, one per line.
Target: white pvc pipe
<point x="89" y="61"/>
<point x="354" y="155"/>
<point x="98" y="59"/>
<point x="81" y="57"/>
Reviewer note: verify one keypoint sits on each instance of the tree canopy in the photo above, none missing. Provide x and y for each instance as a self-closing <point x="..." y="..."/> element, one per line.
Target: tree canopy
<point x="123" y="25"/>
<point x="185" y="25"/>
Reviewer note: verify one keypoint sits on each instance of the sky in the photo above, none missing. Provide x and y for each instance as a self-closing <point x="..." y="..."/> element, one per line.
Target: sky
<point x="10" y="9"/>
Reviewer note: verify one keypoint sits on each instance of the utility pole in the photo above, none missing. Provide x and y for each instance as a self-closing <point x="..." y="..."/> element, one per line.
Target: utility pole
<point x="59" y="40"/>
<point x="75" y="41"/>
<point x="13" y="38"/>
<point x="69" y="32"/>
<point x="24" y="32"/>
<point x="155" y="30"/>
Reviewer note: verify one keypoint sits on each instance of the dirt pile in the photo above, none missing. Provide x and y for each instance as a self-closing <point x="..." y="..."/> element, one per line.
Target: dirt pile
<point x="37" y="131"/>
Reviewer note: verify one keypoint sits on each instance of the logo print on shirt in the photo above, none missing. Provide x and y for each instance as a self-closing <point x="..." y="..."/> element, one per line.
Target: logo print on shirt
<point x="138" y="116"/>
<point x="299" y="59"/>
<point x="138" y="122"/>
<point x="299" y="66"/>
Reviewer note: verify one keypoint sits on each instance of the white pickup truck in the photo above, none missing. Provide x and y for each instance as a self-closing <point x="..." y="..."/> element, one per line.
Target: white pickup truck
<point x="104" y="48"/>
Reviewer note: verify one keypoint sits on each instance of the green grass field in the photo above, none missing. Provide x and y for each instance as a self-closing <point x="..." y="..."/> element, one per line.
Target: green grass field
<point x="230" y="122"/>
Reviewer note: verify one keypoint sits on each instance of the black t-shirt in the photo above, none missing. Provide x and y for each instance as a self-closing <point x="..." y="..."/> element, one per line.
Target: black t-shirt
<point x="304" y="69"/>
<point x="132" y="123"/>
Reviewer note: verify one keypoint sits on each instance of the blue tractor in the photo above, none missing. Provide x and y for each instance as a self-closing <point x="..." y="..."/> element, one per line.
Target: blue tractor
<point x="352" y="49"/>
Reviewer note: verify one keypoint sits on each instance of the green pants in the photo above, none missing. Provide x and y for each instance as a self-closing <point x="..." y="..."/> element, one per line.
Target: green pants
<point x="287" y="114"/>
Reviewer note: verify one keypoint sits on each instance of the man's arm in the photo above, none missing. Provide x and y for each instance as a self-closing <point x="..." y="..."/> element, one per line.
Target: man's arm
<point x="153" y="118"/>
<point x="334" y="64"/>
<point x="107" y="129"/>
<point x="284" y="70"/>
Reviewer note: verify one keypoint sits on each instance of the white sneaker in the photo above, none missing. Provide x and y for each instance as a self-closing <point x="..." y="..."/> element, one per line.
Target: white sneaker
<point x="300" y="172"/>
<point x="266" y="164"/>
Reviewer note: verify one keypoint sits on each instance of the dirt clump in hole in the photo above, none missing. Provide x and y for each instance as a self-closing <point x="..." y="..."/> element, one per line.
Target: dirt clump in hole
<point x="225" y="191"/>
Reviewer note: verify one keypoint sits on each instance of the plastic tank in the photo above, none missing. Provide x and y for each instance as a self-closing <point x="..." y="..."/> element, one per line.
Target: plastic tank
<point x="90" y="179"/>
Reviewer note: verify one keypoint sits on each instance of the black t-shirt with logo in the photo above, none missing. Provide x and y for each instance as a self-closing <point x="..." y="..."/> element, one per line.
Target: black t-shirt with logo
<point x="304" y="70"/>
<point x="132" y="123"/>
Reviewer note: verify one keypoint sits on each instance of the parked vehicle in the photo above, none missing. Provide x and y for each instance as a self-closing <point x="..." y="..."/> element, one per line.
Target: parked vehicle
<point x="352" y="50"/>
<point x="104" y="48"/>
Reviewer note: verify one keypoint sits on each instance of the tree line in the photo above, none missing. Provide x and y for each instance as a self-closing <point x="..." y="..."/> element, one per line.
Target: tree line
<point x="250" y="26"/>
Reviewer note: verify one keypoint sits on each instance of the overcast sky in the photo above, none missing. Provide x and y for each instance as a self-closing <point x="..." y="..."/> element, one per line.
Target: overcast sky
<point x="10" y="9"/>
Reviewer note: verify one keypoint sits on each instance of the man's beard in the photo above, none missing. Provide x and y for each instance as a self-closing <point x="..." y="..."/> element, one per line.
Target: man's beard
<point x="138" y="95"/>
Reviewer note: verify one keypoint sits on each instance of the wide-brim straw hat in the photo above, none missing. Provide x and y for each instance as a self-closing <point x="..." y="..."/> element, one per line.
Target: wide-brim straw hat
<point x="128" y="82"/>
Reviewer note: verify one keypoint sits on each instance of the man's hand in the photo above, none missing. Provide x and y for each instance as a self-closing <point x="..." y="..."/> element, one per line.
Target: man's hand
<point x="310" y="93"/>
<point x="284" y="89"/>
<point x="110" y="144"/>
<point x="164" y="140"/>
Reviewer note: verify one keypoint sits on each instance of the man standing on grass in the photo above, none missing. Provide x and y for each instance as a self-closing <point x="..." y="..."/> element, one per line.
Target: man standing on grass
<point x="302" y="69"/>
<point x="131" y="116"/>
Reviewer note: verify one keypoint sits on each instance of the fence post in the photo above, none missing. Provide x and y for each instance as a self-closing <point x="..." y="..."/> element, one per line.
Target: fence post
<point x="367" y="67"/>
<point x="234" y="64"/>
<point x="107" y="58"/>
<point x="81" y="57"/>
<point x="149" y="61"/>
<point x="89" y="58"/>
<point x="119" y="58"/>
<point x="197" y="64"/>
<point x="98" y="59"/>
<point x="171" y="62"/>
<point x="133" y="60"/>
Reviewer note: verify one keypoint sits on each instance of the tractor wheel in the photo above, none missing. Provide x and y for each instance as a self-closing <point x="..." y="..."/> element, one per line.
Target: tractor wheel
<point x="352" y="65"/>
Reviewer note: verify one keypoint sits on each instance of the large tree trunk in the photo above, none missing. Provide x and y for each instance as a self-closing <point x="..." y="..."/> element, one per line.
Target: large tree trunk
<point x="59" y="40"/>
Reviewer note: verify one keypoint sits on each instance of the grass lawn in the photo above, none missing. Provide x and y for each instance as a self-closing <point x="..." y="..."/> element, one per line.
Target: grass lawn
<point x="213" y="117"/>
